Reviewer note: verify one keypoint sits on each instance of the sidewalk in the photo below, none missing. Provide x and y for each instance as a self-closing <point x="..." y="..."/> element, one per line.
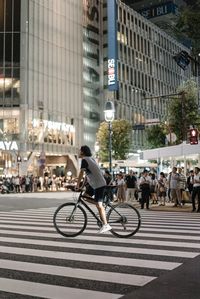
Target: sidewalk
<point x="68" y="194"/>
<point x="169" y="207"/>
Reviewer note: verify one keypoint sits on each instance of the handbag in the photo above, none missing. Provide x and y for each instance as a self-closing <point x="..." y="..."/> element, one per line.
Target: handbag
<point x="162" y="189"/>
<point x="185" y="196"/>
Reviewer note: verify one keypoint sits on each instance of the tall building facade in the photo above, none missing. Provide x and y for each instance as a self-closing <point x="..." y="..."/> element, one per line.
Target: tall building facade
<point x="144" y="68"/>
<point x="41" y="83"/>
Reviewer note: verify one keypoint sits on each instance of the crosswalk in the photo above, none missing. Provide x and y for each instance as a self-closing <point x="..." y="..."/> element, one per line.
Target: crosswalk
<point x="36" y="262"/>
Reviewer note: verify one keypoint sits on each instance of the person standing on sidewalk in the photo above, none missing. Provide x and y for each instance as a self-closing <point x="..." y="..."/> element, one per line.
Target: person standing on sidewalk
<point x="173" y="185"/>
<point x="190" y="181"/>
<point x="121" y="192"/>
<point x="196" y="189"/>
<point x="161" y="188"/>
<point x="145" y="181"/>
<point x="131" y="185"/>
<point x="96" y="183"/>
<point x="181" y="183"/>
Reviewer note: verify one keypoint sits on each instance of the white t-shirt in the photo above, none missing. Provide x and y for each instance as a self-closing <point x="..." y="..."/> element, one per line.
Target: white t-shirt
<point x="196" y="177"/>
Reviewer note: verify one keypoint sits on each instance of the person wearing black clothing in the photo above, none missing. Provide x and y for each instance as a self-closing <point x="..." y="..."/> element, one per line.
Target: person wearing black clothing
<point x="131" y="185"/>
<point x="108" y="191"/>
<point x="190" y="181"/>
<point x="145" y="181"/>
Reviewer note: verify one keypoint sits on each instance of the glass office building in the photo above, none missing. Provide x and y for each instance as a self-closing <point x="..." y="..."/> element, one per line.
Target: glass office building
<point x="145" y="68"/>
<point x="40" y="84"/>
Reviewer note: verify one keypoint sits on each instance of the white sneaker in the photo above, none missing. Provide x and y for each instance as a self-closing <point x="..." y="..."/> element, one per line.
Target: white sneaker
<point x="105" y="228"/>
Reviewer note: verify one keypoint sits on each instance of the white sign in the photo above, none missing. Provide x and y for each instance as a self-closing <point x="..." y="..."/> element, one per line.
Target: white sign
<point x="8" y="145"/>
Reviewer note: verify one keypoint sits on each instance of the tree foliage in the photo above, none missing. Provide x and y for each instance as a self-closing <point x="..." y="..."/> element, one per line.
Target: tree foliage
<point x="121" y="139"/>
<point x="156" y="136"/>
<point x="183" y="110"/>
<point x="182" y="113"/>
<point x="189" y="24"/>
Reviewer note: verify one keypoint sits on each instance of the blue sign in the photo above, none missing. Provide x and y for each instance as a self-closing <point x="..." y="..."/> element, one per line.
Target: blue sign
<point x="159" y="10"/>
<point x="112" y="45"/>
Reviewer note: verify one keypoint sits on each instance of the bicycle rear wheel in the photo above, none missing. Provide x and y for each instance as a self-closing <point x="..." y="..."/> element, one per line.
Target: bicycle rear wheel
<point x="70" y="220"/>
<point x="124" y="219"/>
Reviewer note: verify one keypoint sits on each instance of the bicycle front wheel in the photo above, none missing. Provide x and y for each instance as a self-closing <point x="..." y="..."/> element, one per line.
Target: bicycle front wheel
<point x="70" y="220"/>
<point x="124" y="219"/>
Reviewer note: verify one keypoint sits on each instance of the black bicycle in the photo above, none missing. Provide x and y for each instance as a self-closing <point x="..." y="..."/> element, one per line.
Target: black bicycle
<point x="70" y="219"/>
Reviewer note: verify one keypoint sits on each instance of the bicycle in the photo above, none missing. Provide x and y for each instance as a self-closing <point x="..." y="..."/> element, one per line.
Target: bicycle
<point x="70" y="219"/>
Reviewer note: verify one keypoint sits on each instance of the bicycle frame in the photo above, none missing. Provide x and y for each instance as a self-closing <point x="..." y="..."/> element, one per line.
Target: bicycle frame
<point x="81" y="200"/>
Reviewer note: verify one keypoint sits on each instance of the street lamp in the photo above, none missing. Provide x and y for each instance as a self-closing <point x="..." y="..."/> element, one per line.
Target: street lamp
<point x="109" y="113"/>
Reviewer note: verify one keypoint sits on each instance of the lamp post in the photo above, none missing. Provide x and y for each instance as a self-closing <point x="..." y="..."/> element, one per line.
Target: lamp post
<point x="19" y="160"/>
<point x="96" y="149"/>
<point x="109" y="113"/>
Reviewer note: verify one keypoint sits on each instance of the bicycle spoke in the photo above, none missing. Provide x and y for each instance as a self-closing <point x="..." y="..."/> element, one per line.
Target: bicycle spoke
<point x="124" y="219"/>
<point x="70" y="220"/>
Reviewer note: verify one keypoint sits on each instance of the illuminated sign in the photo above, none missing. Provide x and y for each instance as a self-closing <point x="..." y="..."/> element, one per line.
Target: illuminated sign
<point x="159" y="10"/>
<point x="8" y="145"/>
<point x="53" y="125"/>
<point x="112" y="45"/>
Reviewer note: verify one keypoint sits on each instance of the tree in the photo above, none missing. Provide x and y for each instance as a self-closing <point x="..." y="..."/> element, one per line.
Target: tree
<point x="183" y="110"/>
<point x="155" y="136"/>
<point x="121" y="139"/>
<point x="189" y="24"/>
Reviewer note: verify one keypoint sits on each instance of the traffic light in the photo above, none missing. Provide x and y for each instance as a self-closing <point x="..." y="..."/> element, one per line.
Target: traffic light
<point x="193" y="136"/>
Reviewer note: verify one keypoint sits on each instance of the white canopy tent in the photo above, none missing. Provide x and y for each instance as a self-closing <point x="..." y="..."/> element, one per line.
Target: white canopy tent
<point x="176" y="152"/>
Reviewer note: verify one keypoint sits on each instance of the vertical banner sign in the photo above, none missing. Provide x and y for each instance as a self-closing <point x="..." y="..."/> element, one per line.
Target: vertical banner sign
<point x="112" y="45"/>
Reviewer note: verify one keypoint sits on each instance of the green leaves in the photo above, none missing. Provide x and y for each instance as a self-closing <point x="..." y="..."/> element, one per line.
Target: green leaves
<point x="183" y="110"/>
<point x="156" y="136"/>
<point x="121" y="139"/>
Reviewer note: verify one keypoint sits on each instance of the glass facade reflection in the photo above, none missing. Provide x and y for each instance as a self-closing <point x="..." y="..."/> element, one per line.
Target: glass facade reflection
<point x="9" y="53"/>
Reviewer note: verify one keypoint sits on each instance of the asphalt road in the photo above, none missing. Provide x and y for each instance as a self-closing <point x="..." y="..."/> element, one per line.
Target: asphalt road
<point x="9" y="202"/>
<point x="161" y="261"/>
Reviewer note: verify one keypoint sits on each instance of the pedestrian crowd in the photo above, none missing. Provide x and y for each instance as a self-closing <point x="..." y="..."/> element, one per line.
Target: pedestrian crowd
<point x="149" y="188"/>
<point x="146" y="188"/>
<point x="30" y="183"/>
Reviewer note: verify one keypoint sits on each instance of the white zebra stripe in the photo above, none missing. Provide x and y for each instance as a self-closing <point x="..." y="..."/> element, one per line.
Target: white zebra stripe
<point x="113" y="277"/>
<point x="51" y="291"/>
<point x="92" y="258"/>
<point x="108" y="248"/>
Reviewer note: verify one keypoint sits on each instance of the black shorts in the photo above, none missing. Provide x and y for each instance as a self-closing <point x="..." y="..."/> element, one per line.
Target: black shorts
<point x="98" y="193"/>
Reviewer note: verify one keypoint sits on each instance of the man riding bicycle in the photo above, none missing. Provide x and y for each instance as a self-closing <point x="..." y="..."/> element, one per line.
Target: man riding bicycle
<point x="96" y="183"/>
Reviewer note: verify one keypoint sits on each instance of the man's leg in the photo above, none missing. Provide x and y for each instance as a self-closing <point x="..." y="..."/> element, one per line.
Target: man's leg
<point x="102" y="212"/>
<point x="194" y="193"/>
<point x="127" y="194"/>
<point x="174" y="197"/>
<point x="99" y="195"/>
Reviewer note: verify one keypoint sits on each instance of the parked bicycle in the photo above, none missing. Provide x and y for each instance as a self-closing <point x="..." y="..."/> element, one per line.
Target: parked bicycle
<point x="70" y="219"/>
